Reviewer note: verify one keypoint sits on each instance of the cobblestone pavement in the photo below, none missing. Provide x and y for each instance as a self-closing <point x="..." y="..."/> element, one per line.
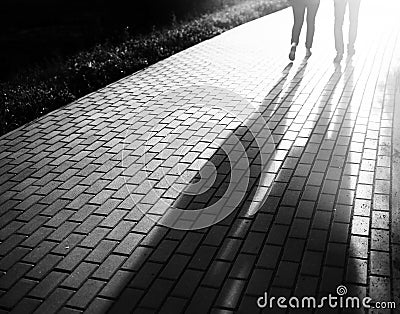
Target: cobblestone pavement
<point x="76" y="183"/>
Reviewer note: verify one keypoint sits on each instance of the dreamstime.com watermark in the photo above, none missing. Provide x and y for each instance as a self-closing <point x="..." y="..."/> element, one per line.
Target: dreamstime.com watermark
<point x="339" y="301"/>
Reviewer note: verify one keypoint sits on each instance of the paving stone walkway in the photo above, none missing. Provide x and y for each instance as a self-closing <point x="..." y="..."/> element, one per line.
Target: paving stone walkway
<point x="81" y="188"/>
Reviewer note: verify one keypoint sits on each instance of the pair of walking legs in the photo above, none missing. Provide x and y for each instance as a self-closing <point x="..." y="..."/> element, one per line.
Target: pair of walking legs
<point x="299" y="9"/>
<point x="340" y="10"/>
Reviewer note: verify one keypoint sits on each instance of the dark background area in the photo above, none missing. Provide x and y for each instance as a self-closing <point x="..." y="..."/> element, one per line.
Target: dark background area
<point x="36" y="32"/>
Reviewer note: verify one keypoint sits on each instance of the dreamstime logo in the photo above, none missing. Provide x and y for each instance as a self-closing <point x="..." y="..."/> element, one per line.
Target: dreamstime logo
<point x="340" y="301"/>
<point x="341" y="290"/>
<point x="179" y="147"/>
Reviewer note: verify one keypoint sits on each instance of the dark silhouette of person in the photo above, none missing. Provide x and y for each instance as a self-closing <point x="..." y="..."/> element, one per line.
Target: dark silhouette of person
<point x="340" y="10"/>
<point x="299" y="7"/>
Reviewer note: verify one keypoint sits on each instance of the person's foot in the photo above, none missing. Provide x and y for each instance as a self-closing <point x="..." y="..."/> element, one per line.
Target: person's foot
<point x="308" y="53"/>
<point x="292" y="54"/>
<point x="338" y="58"/>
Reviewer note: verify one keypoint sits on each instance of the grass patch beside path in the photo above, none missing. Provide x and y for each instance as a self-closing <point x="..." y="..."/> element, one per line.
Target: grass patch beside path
<point x="39" y="91"/>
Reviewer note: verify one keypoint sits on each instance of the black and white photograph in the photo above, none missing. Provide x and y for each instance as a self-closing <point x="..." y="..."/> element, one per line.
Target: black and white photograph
<point x="199" y="156"/>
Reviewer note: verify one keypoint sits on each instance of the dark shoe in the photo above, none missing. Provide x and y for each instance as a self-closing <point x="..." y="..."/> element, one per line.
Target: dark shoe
<point x="292" y="54"/>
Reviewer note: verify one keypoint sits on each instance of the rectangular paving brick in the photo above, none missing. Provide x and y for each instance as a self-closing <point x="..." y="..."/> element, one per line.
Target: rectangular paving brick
<point x="143" y="279"/>
<point x="27" y="305"/>
<point x="187" y="283"/>
<point x="128" y="300"/>
<point x="203" y="257"/>
<point x="380" y="263"/>
<point x="86" y="293"/>
<point x="13" y="257"/>
<point x="79" y="275"/>
<point x="379" y="288"/>
<point x="47" y="285"/>
<point x="16" y="293"/>
<point x="10" y="243"/>
<point x="156" y="294"/>
<point x="380" y="220"/>
<point x="69" y="262"/>
<point x="95" y="237"/>
<point x="99" y="305"/>
<point x="42" y="268"/>
<point x="286" y="274"/>
<point x="63" y="231"/>
<point x="137" y="258"/>
<point x="102" y="250"/>
<point x="68" y="244"/>
<point x="361" y="226"/>
<point x="269" y="256"/>
<point x="13" y="275"/>
<point x="253" y="243"/>
<point x="39" y="252"/>
<point x="109" y="267"/>
<point x="339" y="233"/>
<point x="116" y="284"/>
<point x="59" y="218"/>
<point x="242" y="267"/>
<point x="175" y="266"/>
<point x="55" y="301"/>
<point x="336" y="254"/>
<point x="121" y="230"/>
<point x="277" y="234"/>
<point x="332" y="277"/>
<point x="230" y="293"/>
<point x="129" y="243"/>
<point x="357" y="271"/>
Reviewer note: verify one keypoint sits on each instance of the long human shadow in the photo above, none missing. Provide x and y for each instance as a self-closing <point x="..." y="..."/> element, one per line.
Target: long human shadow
<point x="346" y="249"/>
<point x="168" y="261"/>
<point x="311" y="224"/>
<point x="330" y="257"/>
